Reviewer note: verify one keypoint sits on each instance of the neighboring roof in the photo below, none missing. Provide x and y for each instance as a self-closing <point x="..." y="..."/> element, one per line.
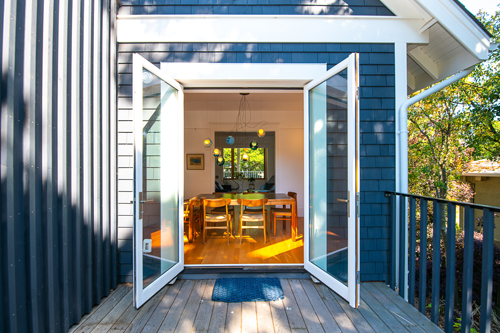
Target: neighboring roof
<point x="474" y="18"/>
<point x="483" y="168"/>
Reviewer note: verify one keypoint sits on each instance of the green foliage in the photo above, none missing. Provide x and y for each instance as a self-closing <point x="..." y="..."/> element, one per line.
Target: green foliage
<point x="482" y="113"/>
<point x="455" y="126"/>
<point x="255" y="159"/>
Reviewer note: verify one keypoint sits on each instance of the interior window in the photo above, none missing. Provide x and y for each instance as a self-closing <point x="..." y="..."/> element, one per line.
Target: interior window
<point x="253" y="168"/>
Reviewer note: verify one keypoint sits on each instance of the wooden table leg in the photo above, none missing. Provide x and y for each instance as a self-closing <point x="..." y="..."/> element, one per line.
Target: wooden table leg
<point x="191" y="223"/>
<point x="293" y="224"/>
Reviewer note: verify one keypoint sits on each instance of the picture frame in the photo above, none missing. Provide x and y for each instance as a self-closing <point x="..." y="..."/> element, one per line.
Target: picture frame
<point x="195" y="161"/>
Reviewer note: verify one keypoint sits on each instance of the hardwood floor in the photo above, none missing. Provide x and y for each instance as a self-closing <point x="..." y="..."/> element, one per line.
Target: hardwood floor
<point x="187" y="306"/>
<point x="216" y="250"/>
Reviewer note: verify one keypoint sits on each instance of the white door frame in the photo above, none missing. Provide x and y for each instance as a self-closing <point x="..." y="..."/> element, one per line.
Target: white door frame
<point x="259" y="75"/>
<point x="141" y="295"/>
<point x="351" y="291"/>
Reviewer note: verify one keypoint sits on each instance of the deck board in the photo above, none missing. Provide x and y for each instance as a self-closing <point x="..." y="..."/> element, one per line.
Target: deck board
<point x="187" y="306"/>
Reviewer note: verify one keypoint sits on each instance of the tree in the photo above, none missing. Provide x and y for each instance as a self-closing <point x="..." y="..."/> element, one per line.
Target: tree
<point x="437" y="154"/>
<point x="482" y="130"/>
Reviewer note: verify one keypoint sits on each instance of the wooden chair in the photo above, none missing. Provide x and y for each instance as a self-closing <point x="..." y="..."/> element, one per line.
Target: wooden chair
<point x="253" y="217"/>
<point x="221" y="210"/>
<point x="216" y="218"/>
<point x="255" y="210"/>
<point x="196" y="215"/>
<point x="285" y="214"/>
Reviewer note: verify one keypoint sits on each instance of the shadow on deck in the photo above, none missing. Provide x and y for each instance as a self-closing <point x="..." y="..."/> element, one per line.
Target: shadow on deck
<point x="186" y="306"/>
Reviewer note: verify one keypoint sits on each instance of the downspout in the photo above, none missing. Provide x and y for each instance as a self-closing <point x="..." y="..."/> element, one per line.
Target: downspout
<point x="403" y="116"/>
<point x="403" y="149"/>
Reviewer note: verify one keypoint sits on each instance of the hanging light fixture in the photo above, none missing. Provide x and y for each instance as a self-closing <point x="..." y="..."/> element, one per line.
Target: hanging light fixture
<point x="261" y="133"/>
<point x="244" y="157"/>
<point x="254" y="145"/>
<point x="220" y="161"/>
<point x="230" y="140"/>
<point x="216" y="152"/>
<point x="207" y="143"/>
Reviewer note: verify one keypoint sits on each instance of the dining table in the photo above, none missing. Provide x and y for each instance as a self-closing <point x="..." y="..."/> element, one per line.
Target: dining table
<point x="273" y="199"/>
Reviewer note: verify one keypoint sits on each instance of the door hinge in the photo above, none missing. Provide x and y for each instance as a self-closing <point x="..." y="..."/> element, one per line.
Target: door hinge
<point x="358" y="278"/>
<point x="357" y="93"/>
<point x="358" y="210"/>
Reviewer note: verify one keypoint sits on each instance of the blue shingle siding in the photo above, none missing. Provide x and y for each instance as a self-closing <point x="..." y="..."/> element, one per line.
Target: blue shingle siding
<point x="254" y="7"/>
<point x="377" y="114"/>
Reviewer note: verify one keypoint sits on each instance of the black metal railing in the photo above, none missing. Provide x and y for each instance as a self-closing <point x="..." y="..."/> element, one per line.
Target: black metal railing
<point x="407" y="221"/>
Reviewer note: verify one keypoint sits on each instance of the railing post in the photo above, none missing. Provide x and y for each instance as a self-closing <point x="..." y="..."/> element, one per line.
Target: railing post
<point x="411" y="251"/>
<point x="393" y="242"/>
<point x="487" y="270"/>
<point x="467" y="272"/>
<point x="402" y="245"/>
<point x="436" y="260"/>
<point x="422" y="283"/>
<point x="450" y="269"/>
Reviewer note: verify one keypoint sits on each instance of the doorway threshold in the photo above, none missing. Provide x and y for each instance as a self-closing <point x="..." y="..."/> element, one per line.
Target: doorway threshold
<point x="199" y="272"/>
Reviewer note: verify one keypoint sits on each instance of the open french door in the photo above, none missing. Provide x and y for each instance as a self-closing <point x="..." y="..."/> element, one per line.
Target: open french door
<point x="331" y="231"/>
<point x="158" y="104"/>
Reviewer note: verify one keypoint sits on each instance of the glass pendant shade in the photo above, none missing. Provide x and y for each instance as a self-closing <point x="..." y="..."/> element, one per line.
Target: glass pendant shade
<point x="254" y="145"/>
<point x="244" y="157"/>
<point x="216" y="152"/>
<point x="261" y="133"/>
<point x="220" y="161"/>
<point x="207" y="143"/>
<point x="230" y="140"/>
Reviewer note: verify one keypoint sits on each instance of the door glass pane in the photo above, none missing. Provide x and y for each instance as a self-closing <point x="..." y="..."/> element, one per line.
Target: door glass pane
<point x="328" y="176"/>
<point x="159" y="200"/>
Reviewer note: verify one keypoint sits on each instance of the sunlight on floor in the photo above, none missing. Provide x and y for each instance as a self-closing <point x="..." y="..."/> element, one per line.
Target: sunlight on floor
<point x="275" y="249"/>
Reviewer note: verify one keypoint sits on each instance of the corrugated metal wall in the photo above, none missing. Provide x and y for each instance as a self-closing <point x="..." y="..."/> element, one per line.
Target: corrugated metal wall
<point x="58" y="161"/>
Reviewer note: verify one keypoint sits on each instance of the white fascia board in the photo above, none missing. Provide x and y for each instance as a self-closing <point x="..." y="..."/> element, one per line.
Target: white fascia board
<point x="406" y="8"/>
<point x="269" y="29"/>
<point x="243" y="75"/>
<point x="459" y="25"/>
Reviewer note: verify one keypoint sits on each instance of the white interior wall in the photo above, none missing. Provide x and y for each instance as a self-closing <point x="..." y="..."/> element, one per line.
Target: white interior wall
<point x="207" y="113"/>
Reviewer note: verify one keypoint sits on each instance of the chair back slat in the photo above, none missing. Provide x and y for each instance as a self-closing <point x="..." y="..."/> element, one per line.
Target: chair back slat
<point x="216" y="202"/>
<point x="252" y="202"/>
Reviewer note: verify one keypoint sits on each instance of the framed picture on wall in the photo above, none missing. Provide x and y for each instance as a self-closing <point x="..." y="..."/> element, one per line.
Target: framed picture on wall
<point x="195" y="161"/>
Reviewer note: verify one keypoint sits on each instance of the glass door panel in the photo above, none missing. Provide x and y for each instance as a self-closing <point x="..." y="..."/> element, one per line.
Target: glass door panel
<point x="157" y="213"/>
<point x="331" y="239"/>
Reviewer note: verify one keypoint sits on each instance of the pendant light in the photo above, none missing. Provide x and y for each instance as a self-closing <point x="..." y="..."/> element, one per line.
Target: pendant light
<point x="261" y="133"/>
<point x="244" y="157"/>
<point x="207" y="143"/>
<point x="216" y="152"/>
<point x="254" y="145"/>
<point x="220" y="161"/>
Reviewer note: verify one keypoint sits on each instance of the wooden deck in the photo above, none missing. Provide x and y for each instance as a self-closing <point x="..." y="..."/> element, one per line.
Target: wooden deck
<point x="186" y="306"/>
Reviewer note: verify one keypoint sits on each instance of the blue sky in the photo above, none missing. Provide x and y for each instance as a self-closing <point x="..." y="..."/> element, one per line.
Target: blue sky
<point x="489" y="6"/>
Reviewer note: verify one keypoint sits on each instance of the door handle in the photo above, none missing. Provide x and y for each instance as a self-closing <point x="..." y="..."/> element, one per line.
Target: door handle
<point x="343" y="200"/>
<point x="141" y="202"/>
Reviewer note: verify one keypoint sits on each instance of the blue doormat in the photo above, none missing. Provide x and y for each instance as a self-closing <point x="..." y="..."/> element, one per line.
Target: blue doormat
<point x="235" y="290"/>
